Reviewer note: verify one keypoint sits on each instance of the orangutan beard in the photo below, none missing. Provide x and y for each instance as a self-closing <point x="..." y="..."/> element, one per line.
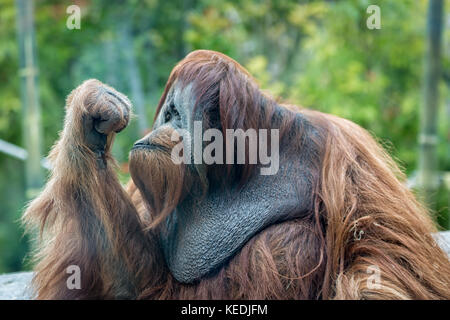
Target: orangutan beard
<point x="161" y="182"/>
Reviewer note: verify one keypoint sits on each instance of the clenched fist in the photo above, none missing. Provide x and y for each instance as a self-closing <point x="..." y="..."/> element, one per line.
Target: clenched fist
<point x="96" y="111"/>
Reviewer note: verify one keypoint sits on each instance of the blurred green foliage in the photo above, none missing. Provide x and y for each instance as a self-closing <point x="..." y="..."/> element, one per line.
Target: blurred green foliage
<point x="318" y="54"/>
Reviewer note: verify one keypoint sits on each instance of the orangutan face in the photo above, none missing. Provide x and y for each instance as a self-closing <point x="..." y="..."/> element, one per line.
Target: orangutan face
<point x="209" y="210"/>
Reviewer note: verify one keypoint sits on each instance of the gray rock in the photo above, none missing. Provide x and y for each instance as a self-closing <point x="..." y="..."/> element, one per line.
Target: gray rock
<point x="16" y="286"/>
<point x="443" y="240"/>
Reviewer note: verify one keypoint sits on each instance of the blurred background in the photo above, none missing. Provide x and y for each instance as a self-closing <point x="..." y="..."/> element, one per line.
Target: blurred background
<point x="393" y="81"/>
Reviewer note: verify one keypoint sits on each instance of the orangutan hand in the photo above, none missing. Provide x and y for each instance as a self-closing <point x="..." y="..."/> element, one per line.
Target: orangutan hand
<point x="96" y="111"/>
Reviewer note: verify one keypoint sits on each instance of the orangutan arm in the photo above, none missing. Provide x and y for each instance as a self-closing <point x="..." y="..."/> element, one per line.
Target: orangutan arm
<point x="86" y="218"/>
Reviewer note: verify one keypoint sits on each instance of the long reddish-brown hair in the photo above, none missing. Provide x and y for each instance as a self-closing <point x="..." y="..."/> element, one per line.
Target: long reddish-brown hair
<point x="364" y="216"/>
<point x="363" y="222"/>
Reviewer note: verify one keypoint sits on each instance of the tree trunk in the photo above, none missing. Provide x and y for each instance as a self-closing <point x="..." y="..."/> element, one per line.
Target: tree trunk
<point x="428" y="178"/>
<point x="30" y="96"/>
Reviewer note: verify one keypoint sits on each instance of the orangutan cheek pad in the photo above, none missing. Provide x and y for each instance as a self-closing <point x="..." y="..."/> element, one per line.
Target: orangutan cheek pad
<point x="203" y="234"/>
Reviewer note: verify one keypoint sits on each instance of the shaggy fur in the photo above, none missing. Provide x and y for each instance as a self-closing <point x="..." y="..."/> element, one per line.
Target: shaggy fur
<point x="363" y="215"/>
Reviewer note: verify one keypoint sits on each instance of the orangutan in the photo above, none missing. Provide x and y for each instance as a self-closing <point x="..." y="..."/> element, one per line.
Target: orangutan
<point x="335" y="212"/>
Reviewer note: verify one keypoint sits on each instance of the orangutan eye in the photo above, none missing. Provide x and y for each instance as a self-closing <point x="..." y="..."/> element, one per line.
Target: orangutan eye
<point x="175" y="113"/>
<point x="171" y="112"/>
<point x="167" y="117"/>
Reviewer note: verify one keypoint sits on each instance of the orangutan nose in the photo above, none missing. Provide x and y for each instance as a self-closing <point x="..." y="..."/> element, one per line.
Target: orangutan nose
<point x="144" y="142"/>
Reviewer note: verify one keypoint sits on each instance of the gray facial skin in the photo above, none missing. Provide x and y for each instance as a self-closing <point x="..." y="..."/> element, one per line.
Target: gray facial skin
<point x="203" y="233"/>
